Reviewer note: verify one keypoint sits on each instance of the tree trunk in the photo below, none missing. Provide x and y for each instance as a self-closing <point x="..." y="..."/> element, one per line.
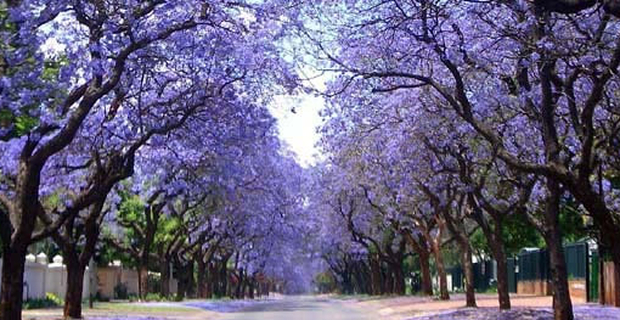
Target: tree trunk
<point x="182" y="282"/>
<point x="201" y="281"/>
<point x="140" y="298"/>
<point x="191" y="281"/>
<point x="421" y="248"/>
<point x="75" y="285"/>
<point x="388" y="282"/>
<point x="562" y="305"/>
<point x="238" y="292"/>
<point x="441" y="271"/>
<point x="616" y="302"/>
<point x="211" y="280"/>
<point x="495" y="241"/>
<point x="462" y="240"/>
<point x="468" y="269"/>
<point x="399" y="279"/>
<point x="252" y="288"/>
<point x="502" y="276"/>
<point x="223" y="277"/>
<point x="142" y="282"/>
<point x="184" y="279"/>
<point x="244" y="290"/>
<point x="425" y="269"/>
<point x="92" y="282"/>
<point x="11" y="299"/>
<point x="164" y="269"/>
<point x="375" y="275"/>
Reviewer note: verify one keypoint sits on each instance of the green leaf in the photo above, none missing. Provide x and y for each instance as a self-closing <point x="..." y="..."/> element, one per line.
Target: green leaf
<point x="23" y="124"/>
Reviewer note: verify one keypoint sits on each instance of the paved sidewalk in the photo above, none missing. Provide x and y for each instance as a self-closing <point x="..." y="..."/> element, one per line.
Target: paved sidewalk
<point x="406" y="307"/>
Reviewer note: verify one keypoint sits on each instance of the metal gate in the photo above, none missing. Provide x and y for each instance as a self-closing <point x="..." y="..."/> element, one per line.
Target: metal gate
<point x="512" y="275"/>
<point x="593" y="277"/>
<point x="576" y="255"/>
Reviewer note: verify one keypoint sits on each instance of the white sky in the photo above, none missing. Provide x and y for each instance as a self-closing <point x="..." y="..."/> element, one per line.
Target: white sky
<point x="298" y="129"/>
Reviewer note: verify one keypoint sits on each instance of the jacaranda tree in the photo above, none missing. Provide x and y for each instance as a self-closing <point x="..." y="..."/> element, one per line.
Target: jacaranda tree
<point x="86" y="85"/>
<point x="534" y="80"/>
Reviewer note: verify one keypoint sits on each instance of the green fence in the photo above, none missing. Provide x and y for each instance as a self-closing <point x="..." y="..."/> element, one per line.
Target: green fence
<point x="576" y="255"/>
<point x="483" y="275"/>
<point x="533" y="265"/>
<point x="580" y="264"/>
<point x="457" y="278"/>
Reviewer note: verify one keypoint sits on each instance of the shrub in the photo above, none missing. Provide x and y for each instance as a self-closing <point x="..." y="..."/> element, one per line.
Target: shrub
<point x="50" y="301"/>
<point x="120" y="291"/>
<point x="101" y="298"/>
<point x="153" y="297"/>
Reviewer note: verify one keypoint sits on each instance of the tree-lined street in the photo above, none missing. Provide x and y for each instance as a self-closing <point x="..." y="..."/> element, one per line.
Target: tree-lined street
<point x="461" y="147"/>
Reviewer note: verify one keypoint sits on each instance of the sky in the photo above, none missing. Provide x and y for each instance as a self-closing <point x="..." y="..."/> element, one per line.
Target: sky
<point x="298" y="128"/>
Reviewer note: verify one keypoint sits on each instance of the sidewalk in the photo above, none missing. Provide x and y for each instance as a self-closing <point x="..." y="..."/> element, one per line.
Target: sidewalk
<point x="406" y="307"/>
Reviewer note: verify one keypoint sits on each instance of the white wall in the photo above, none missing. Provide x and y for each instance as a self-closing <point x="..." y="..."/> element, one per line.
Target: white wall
<point x="34" y="280"/>
<point x="56" y="281"/>
<point x="40" y="278"/>
<point x="435" y="281"/>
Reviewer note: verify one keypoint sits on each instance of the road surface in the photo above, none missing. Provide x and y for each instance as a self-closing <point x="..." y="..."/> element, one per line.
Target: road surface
<point x="301" y="308"/>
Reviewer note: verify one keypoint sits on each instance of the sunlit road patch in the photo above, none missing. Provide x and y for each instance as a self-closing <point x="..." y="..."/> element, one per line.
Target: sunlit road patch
<point x="299" y="308"/>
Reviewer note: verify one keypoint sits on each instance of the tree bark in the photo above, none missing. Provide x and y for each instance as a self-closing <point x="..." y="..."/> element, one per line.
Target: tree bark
<point x="244" y="288"/>
<point x="496" y="243"/>
<point x="211" y="280"/>
<point x="142" y="282"/>
<point x="562" y="305"/>
<point x="455" y="225"/>
<point x="238" y="292"/>
<point x="425" y="269"/>
<point x="375" y="274"/>
<point x="502" y="275"/>
<point x="12" y="283"/>
<point x="399" y="279"/>
<point x="201" y="281"/>
<point x="388" y="285"/>
<point x="164" y="269"/>
<point x="441" y="272"/>
<point x="75" y="285"/>
<point x="468" y="270"/>
<point x="191" y="281"/>
<point x="616" y="302"/>
<point x="251" y="289"/>
<point x="223" y="278"/>
<point x="421" y="248"/>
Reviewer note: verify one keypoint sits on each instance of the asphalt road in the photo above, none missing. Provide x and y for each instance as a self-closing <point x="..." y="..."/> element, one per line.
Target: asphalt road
<point x="301" y="308"/>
